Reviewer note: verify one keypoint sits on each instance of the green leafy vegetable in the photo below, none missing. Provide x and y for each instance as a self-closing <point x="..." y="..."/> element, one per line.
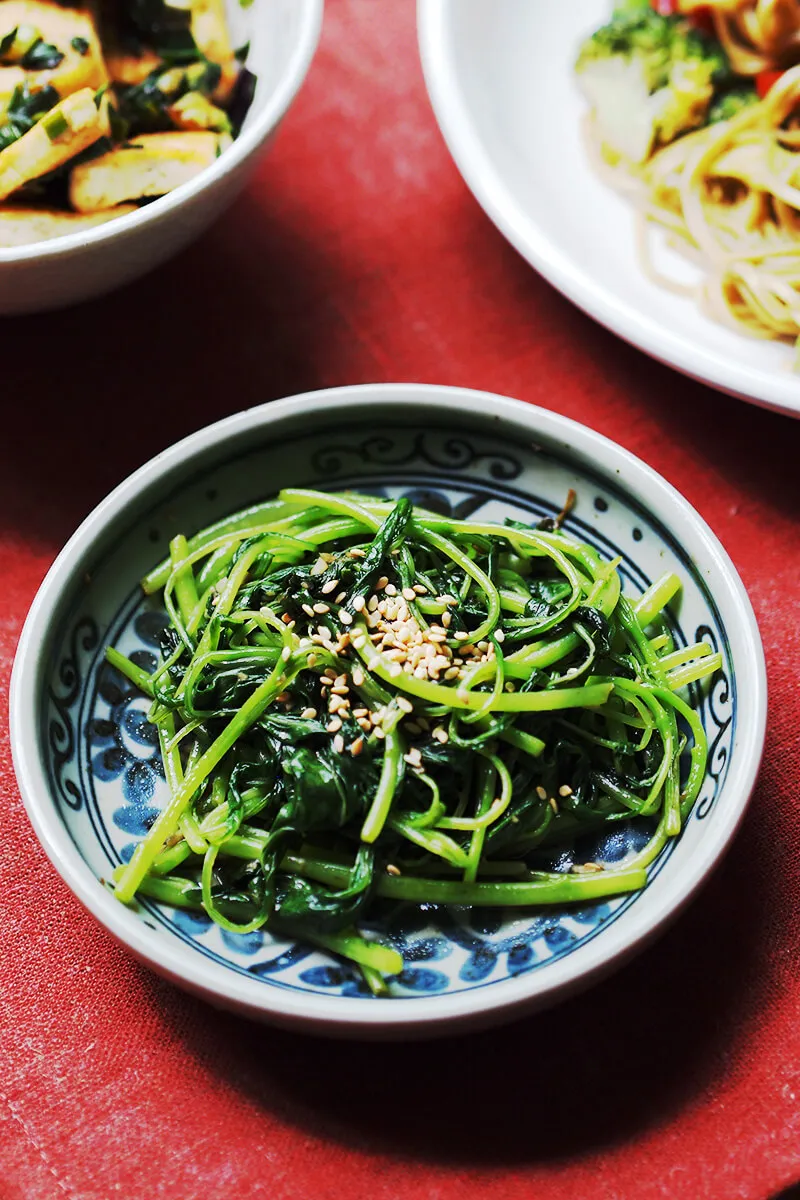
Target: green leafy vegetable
<point x="361" y="699"/>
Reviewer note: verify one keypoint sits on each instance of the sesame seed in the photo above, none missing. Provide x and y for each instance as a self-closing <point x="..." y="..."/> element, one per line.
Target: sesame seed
<point x="340" y="599"/>
<point x="312" y="660"/>
<point x="541" y="793"/>
<point x="499" y="635"/>
<point x="345" y="617"/>
<point x="357" y="642"/>
<point x="340" y="689"/>
<point x="358" y="603"/>
<point x="357" y="747"/>
<point x="338" y="743"/>
<point x="452" y="672"/>
<point x="308" y="610"/>
<point x="405" y="704"/>
<point x="484" y="646"/>
<point x="358" y="675"/>
<point x="420" y="589"/>
<point x="590" y="868"/>
<point x="413" y="757"/>
<point x="321" y="608"/>
<point x="409" y="593"/>
<point x="365" y="724"/>
<point x="336" y="703"/>
<point x="334" y="726"/>
<point x="382" y="583"/>
<point x="441" y="734"/>
<point x="437" y="637"/>
<point x="372" y="603"/>
<point x="378" y="732"/>
<point x="360" y="712"/>
<point x="390" y="589"/>
<point x="330" y="586"/>
<point x="286" y="653"/>
<point x="357" y="552"/>
<point x="391" y="869"/>
<point x="461" y="635"/>
<point x="323" y="632"/>
<point x="308" y="714"/>
<point x="553" y="804"/>
<point x="319" y="566"/>
<point x="394" y="670"/>
<point x="565" y="790"/>
<point x="420" y="673"/>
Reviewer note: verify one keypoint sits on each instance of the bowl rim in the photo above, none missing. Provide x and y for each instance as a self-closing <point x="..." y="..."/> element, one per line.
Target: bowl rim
<point x="423" y="1016"/>
<point x="476" y="166"/>
<point x="294" y="72"/>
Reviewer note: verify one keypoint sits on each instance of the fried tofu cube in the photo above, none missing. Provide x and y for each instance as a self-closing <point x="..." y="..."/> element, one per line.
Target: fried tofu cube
<point x="74" y="124"/>
<point x="212" y="37"/>
<point x="152" y="165"/>
<point x="60" y="27"/>
<point x="129" y="69"/>
<point x="24" y="226"/>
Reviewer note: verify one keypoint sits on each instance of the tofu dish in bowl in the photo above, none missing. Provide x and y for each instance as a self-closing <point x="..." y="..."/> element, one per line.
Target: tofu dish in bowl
<point x="109" y="105"/>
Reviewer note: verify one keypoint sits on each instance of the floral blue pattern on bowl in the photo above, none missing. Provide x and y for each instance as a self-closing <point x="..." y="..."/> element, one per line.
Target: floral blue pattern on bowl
<point x="103" y="755"/>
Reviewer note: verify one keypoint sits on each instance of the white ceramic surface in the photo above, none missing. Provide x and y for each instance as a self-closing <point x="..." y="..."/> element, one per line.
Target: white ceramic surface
<point x="500" y="78"/>
<point x="283" y="35"/>
<point x="490" y="453"/>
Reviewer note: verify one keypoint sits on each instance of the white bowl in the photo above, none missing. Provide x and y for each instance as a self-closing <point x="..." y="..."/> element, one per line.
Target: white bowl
<point x="283" y="36"/>
<point x="500" y="78"/>
<point x="86" y="772"/>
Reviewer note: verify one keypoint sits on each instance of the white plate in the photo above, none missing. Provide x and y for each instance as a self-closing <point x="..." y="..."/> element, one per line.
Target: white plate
<point x="500" y="78"/>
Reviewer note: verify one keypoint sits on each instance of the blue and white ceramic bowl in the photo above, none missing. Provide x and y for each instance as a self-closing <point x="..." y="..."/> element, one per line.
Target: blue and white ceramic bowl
<point x="88" y="764"/>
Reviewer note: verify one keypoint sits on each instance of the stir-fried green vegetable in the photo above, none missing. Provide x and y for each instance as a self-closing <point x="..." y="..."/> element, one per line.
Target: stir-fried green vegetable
<point x="361" y="699"/>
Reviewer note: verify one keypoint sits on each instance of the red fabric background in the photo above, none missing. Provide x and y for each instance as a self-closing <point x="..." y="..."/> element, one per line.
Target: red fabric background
<point x="356" y="255"/>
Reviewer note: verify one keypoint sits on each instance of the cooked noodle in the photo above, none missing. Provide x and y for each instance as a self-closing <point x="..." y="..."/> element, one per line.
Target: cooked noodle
<point x="756" y="34"/>
<point x="728" y="196"/>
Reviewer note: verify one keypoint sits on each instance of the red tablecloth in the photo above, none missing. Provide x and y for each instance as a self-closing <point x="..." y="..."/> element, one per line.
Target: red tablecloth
<point x="358" y="254"/>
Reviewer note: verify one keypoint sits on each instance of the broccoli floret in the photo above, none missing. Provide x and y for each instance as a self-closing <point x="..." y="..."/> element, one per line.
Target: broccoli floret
<point x="731" y="103"/>
<point x="649" y="78"/>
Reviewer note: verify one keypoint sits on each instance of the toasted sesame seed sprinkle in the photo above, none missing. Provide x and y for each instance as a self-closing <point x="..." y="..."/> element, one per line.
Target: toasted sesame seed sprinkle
<point x="382" y="583"/>
<point x="391" y="869"/>
<point x="441" y="734"/>
<point x="499" y="635"/>
<point x="357" y="746"/>
<point x="379" y="733"/>
<point x="405" y="704"/>
<point x="338" y="743"/>
<point x="319" y="566"/>
<point x="590" y="868"/>
<point x="409" y="593"/>
<point x="413" y="757"/>
<point x="359" y="603"/>
<point x="321" y="608"/>
<point x="357" y="552"/>
<point x="390" y="589"/>
<point x="553" y="804"/>
<point x="312" y="660"/>
<point x="308" y="610"/>
<point x="541" y="793"/>
<point x="358" y="676"/>
<point x="286" y="653"/>
<point x="394" y="670"/>
<point x="461" y="635"/>
<point x="308" y="714"/>
<point x="345" y="617"/>
<point x="334" y="725"/>
<point x="330" y="586"/>
<point x="340" y="599"/>
<point x="565" y="790"/>
<point x="420" y="589"/>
